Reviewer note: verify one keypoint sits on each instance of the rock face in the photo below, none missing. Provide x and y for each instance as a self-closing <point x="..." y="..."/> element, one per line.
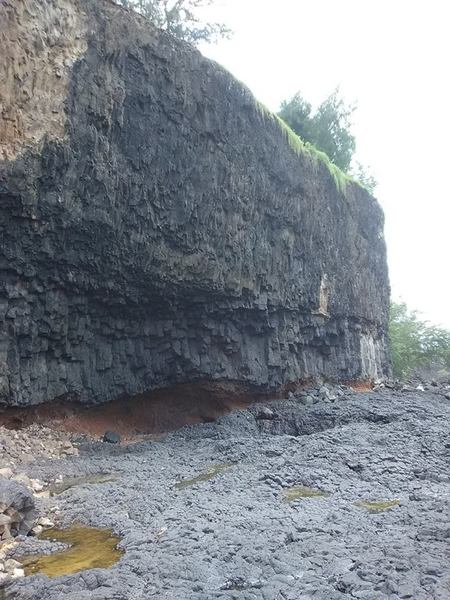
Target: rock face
<point x="157" y="227"/>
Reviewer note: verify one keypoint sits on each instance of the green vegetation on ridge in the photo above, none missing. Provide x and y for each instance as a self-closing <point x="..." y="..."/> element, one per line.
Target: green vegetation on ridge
<point x="417" y="347"/>
<point x="326" y="134"/>
<point x="301" y="147"/>
<point x="179" y="18"/>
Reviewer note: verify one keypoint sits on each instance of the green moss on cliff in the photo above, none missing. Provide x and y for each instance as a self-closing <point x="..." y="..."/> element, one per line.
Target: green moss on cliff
<point x="300" y="147"/>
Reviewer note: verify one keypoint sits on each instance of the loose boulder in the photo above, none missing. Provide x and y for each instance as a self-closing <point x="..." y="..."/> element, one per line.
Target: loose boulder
<point x="17" y="512"/>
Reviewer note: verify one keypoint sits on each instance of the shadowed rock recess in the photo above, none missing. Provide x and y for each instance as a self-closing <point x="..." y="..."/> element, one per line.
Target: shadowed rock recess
<point x="156" y="226"/>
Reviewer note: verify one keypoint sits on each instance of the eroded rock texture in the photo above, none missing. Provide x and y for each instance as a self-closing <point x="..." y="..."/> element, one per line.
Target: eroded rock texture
<point x="157" y="227"/>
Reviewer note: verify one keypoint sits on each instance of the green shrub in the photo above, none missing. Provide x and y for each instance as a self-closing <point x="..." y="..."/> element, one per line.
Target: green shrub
<point x="417" y="346"/>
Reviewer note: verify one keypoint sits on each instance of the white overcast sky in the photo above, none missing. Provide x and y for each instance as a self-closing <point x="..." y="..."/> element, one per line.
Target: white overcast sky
<point x="393" y="58"/>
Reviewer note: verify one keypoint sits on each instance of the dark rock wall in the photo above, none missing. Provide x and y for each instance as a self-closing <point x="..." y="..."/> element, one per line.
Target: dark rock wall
<point x="161" y="229"/>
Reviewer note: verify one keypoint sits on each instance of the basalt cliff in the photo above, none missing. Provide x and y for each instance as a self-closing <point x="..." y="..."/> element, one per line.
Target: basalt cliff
<point x="157" y="226"/>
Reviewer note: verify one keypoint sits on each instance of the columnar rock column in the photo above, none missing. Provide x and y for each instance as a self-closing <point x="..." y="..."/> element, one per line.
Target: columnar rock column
<point x="157" y="226"/>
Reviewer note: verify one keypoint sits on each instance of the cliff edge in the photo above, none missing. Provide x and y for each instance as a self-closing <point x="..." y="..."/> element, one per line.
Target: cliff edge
<point x="157" y="227"/>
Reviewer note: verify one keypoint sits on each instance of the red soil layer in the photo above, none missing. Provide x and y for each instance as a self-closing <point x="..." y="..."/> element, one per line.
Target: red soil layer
<point x="154" y="412"/>
<point x="363" y="385"/>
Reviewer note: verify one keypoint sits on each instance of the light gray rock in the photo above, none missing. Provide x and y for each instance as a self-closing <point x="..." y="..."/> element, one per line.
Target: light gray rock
<point x="17" y="505"/>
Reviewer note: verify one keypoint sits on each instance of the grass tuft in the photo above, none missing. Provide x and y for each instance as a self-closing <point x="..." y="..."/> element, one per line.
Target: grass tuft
<point x="295" y="142"/>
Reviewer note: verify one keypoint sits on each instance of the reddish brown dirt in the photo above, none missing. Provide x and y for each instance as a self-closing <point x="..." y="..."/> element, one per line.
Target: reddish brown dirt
<point x="152" y="413"/>
<point x="364" y="385"/>
<point x="155" y="412"/>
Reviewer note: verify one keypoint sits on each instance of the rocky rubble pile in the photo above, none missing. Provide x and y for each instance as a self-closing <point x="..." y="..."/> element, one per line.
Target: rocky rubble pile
<point x="17" y="515"/>
<point x="20" y="494"/>
<point x="325" y="392"/>
<point x="35" y="441"/>
<point x="441" y="388"/>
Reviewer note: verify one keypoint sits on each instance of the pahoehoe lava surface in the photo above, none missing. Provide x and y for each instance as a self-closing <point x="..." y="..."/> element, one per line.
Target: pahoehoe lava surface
<point x="157" y="227"/>
<point x="234" y="536"/>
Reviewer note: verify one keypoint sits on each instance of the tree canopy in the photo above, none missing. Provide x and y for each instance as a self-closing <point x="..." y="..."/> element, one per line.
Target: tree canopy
<point x="416" y="345"/>
<point x="179" y="18"/>
<point x="328" y="129"/>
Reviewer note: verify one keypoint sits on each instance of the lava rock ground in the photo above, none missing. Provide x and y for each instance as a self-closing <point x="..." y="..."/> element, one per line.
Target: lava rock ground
<point x="234" y="536"/>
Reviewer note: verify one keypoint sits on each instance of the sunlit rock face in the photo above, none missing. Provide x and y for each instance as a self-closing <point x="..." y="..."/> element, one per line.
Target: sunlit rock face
<point x="157" y="227"/>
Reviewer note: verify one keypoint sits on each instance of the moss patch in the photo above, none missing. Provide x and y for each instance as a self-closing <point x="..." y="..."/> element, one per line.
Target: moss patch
<point x="295" y="142"/>
<point x="377" y="506"/>
<point x="58" y="488"/>
<point x="90" y="548"/>
<point x="298" y="492"/>
<point x="206" y="476"/>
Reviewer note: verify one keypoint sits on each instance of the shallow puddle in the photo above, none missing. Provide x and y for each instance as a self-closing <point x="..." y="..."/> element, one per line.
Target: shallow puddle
<point x="58" y="488"/>
<point x="301" y="491"/>
<point x="90" y="548"/>
<point x="377" y="506"/>
<point x="206" y="476"/>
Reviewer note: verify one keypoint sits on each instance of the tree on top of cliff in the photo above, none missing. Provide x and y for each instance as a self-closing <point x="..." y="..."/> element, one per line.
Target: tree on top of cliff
<point x="180" y="18"/>
<point x="329" y="130"/>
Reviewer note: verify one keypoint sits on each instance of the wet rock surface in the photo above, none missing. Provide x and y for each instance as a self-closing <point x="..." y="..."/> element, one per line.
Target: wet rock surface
<point x="378" y="528"/>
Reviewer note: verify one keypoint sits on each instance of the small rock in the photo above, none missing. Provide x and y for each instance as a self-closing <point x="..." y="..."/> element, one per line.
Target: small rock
<point x="112" y="437"/>
<point x="36" y="485"/>
<point x="406" y="590"/>
<point x="73" y="451"/>
<point x="45" y="522"/>
<point x="43" y="494"/>
<point x="24" y="479"/>
<point x="272" y="452"/>
<point x="18" y="572"/>
<point x="6" y="472"/>
<point x="12" y="564"/>
<point x="37" y="530"/>
<point x="265" y="413"/>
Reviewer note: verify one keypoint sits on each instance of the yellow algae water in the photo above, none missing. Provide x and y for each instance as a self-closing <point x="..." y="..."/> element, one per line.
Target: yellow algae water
<point x="90" y="548"/>
<point x="68" y="482"/>
<point x="301" y="491"/>
<point x="377" y="506"/>
<point x="206" y="476"/>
